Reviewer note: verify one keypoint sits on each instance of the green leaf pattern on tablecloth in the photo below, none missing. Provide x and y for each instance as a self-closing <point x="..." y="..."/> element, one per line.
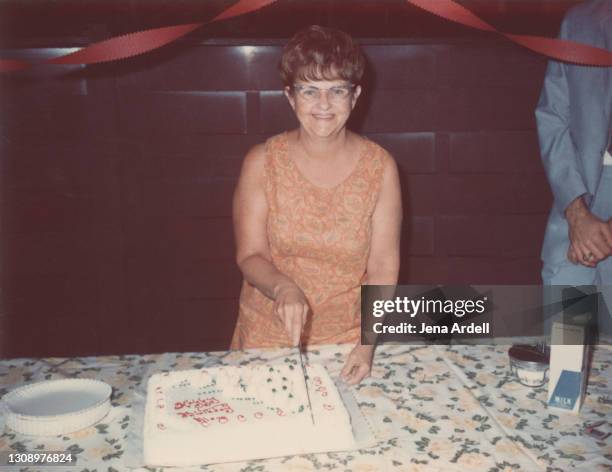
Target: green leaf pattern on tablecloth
<point x="431" y="408"/>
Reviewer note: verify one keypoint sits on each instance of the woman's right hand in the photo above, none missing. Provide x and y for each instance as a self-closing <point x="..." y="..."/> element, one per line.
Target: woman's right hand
<point x="292" y="308"/>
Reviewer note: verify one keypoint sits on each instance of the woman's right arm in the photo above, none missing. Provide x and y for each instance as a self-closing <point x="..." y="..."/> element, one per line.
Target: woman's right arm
<point x="250" y="213"/>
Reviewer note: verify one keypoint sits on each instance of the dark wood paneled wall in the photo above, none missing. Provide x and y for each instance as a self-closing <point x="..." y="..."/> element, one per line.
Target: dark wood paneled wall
<point x="117" y="183"/>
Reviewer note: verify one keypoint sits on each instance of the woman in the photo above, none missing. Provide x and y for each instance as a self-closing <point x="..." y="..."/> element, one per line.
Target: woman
<point x="317" y="211"/>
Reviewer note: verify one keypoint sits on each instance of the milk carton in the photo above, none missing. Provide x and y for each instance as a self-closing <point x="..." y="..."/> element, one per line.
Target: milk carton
<point x="569" y="354"/>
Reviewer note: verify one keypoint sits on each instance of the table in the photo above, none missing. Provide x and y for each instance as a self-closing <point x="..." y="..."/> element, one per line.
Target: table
<point x="431" y="408"/>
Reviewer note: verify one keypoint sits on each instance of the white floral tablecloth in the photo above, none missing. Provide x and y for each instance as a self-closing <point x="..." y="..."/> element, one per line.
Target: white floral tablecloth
<point x="431" y="408"/>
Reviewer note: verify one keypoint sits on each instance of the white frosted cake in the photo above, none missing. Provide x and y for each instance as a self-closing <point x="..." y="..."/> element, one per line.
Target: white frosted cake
<point x="232" y="413"/>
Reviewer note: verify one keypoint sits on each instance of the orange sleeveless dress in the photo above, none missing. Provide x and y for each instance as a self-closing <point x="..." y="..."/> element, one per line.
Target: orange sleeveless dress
<point x="320" y="238"/>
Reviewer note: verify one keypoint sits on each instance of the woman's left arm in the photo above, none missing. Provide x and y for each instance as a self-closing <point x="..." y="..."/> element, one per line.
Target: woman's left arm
<point x="383" y="261"/>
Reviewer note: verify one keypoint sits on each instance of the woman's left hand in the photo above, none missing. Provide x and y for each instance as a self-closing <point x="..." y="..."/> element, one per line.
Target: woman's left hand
<point x="358" y="364"/>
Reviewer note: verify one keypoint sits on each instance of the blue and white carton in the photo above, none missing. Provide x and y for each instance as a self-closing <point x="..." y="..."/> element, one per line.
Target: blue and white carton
<point x="569" y="362"/>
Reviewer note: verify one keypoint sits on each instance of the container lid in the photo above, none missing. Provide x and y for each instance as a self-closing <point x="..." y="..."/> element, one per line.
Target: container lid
<point x="529" y="356"/>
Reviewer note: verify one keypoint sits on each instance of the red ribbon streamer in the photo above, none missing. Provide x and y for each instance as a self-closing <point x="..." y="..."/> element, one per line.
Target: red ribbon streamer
<point x="242" y="8"/>
<point x="452" y="11"/>
<point x="128" y="45"/>
<point x="560" y="49"/>
<point x="133" y="44"/>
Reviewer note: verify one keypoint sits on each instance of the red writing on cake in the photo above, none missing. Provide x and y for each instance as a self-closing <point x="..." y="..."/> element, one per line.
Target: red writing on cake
<point x="198" y="403"/>
<point x="204" y="411"/>
<point x="319" y="387"/>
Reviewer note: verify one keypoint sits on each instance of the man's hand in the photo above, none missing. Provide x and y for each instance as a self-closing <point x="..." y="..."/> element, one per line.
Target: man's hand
<point x="590" y="237"/>
<point x="358" y="364"/>
<point x="291" y="306"/>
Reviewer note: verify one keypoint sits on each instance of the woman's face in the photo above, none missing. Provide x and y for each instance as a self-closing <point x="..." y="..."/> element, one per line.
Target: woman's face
<point x="322" y="106"/>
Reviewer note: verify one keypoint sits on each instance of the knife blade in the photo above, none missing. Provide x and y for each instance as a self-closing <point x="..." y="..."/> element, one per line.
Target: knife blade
<point x="299" y="348"/>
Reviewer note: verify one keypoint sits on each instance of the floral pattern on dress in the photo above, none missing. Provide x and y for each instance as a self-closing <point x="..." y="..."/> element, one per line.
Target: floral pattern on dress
<point x="320" y="238"/>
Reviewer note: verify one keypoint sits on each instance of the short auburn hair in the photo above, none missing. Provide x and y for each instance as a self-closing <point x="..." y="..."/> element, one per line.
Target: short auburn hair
<point x="320" y="53"/>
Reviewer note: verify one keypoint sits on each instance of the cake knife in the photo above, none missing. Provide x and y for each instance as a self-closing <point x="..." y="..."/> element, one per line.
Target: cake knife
<point x="299" y="348"/>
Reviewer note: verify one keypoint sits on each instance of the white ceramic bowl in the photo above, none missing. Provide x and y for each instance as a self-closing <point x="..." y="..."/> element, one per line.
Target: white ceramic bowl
<point x="56" y="407"/>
